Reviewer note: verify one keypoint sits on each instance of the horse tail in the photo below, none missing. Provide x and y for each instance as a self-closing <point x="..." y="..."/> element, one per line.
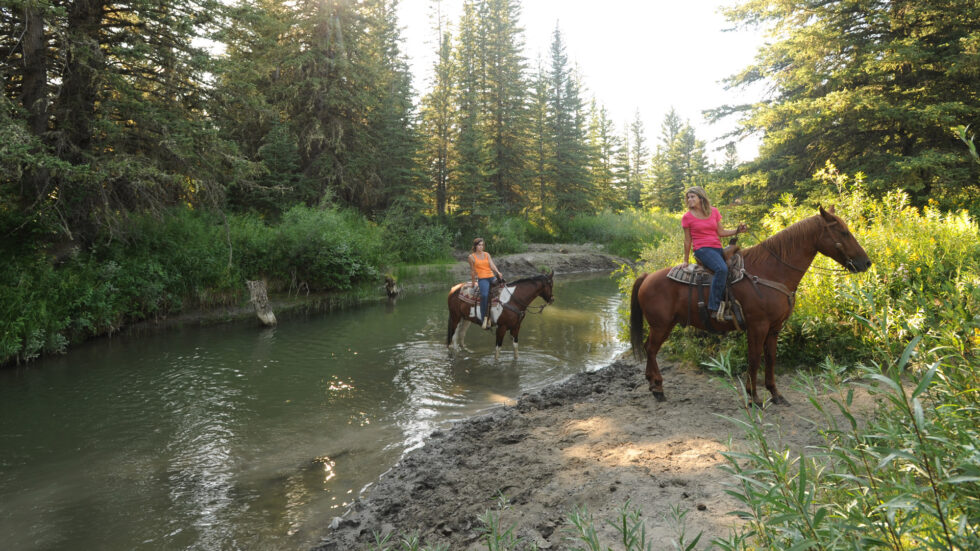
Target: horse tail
<point x="452" y="295"/>
<point x="636" y="318"/>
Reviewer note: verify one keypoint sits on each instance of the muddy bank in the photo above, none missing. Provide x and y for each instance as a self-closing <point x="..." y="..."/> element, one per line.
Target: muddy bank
<point x="596" y="441"/>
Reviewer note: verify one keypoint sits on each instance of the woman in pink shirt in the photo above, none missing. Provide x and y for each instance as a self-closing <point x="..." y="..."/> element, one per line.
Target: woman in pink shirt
<point x="703" y="233"/>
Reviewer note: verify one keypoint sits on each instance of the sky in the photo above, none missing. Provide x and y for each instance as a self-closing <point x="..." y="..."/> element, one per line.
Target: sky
<point x="643" y="56"/>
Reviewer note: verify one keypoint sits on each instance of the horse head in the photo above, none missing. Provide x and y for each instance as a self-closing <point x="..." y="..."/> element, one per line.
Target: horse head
<point x="837" y="242"/>
<point x="548" y="283"/>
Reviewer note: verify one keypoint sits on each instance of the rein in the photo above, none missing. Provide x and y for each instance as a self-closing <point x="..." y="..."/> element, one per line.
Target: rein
<point x="525" y="308"/>
<point x="824" y="227"/>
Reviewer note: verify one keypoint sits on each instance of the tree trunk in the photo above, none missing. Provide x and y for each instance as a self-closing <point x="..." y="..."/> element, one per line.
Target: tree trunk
<point x="260" y="299"/>
<point x="83" y="65"/>
<point x="34" y="96"/>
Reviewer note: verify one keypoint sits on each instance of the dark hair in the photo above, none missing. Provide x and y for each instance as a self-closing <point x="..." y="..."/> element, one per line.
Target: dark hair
<point x="476" y="242"/>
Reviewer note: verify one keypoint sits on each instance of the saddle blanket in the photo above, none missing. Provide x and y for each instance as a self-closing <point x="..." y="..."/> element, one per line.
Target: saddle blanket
<point x="700" y="275"/>
<point x="499" y="295"/>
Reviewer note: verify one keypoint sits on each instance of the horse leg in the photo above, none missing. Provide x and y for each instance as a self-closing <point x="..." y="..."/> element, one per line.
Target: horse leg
<point x="501" y="331"/>
<point x="771" y="340"/>
<point x="513" y="333"/>
<point x="465" y="324"/>
<point x="655" y="340"/>
<point x="755" y="338"/>
<point x="451" y="334"/>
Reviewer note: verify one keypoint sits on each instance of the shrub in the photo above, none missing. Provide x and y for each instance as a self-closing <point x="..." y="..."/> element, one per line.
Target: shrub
<point x="925" y="278"/>
<point x="906" y="477"/>
<point x="412" y="238"/>
<point x="625" y="234"/>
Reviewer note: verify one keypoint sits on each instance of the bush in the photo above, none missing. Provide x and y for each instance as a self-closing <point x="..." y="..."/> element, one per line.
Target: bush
<point x="412" y="238"/>
<point x="925" y="278"/>
<point x="624" y="234"/>
<point x="183" y="260"/>
<point x="906" y="477"/>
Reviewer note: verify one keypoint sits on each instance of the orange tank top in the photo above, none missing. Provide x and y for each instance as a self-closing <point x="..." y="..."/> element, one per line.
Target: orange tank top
<point x="482" y="266"/>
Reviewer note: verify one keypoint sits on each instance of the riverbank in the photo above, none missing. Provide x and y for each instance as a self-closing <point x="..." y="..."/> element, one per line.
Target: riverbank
<point x="597" y="440"/>
<point x="564" y="259"/>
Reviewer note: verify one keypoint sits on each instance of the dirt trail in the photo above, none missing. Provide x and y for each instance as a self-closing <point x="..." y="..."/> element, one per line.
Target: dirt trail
<point x="595" y="440"/>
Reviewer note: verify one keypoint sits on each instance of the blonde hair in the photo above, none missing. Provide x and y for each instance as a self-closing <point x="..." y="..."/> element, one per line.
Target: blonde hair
<point x="703" y="195"/>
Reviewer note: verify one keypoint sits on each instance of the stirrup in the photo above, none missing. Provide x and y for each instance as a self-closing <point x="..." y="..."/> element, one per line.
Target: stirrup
<point x="720" y="316"/>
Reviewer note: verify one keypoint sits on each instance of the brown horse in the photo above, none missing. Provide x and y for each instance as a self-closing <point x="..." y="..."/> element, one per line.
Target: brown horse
<point x="511" y="314"/>
<point x="773" y="270"/>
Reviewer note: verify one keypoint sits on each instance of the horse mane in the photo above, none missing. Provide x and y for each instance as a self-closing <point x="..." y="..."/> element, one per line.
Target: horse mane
<point x="784" y="242"/>
<point x="528" y="279"/>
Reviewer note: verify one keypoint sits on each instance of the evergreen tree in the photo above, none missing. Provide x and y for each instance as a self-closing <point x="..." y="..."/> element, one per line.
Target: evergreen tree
<point x="118" y="94"/>
<point x="639" y="153"/>
<point x="391" y="119"/>
<point x="332" y="72"/>
<point x="680" y="162"/>
<point x="541" y="153"/>
<point x="475" y="193"/>
<point x="437" y="119"/>
<point x="504" y="99"/>
<point x="571" y="183"/>
<point x="870" y="86"/>
<point x="604" y="145"/>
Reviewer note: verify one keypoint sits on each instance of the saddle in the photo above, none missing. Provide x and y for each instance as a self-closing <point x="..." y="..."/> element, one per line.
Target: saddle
<point x="698" y="277"/>
<point x="696" y="274"/>
<point x="470" y="293"/>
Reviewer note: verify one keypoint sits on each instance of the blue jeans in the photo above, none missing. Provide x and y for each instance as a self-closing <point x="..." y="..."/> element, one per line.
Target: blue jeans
<point x="485" y="284"/>
<point x="713" y="259"/>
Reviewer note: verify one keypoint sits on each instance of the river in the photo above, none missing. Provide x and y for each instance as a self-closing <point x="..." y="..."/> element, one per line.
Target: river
<point x="237" y="437"/>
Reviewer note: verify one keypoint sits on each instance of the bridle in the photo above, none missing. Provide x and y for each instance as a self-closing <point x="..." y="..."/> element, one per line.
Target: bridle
<point x="526" y="308"/>
<point x="825" y="227"/>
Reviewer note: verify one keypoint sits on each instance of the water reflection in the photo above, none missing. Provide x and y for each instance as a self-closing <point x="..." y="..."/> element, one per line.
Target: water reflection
<point x="240" y="437"/>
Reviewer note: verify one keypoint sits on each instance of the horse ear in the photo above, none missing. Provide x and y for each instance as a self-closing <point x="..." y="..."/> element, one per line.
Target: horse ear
<point x="826" y="213"/>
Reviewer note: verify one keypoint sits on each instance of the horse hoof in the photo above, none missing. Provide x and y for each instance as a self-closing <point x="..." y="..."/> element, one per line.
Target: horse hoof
<point x="779" y="400"/>
<point x="659" y="395"/>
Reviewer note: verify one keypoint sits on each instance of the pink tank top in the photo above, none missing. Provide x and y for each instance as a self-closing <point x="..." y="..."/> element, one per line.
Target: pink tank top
<point x="704" y="231"/>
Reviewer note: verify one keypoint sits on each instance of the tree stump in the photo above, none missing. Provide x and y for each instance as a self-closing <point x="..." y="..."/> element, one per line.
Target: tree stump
<point x="260" y="299"/>
<point x="391" y="288"/>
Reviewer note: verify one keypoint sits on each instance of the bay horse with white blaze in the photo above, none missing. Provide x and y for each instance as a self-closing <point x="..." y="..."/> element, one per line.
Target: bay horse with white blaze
<point x="510" y="314"/>
<point x="773" y="270"/>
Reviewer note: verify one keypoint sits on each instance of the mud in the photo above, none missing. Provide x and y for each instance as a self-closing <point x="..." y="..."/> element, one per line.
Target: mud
<point x="597" y="440"/>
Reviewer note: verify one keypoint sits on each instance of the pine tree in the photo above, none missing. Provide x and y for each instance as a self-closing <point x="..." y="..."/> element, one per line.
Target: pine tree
<point x="541" y="152"/>
<point x="623" y="170"/>
<point x="639" y="154"/>
<point x="604" y="146"/>
<point x="437" y="119"/>
<point x="573" y="190"/>
<point x="119" y="93"/>
<point x="475" y="194"/>
<point x="390" y="120"/>
<point x="869" y="86"/>
<point x="680" y="162"/>
<point x="504" y="99"/>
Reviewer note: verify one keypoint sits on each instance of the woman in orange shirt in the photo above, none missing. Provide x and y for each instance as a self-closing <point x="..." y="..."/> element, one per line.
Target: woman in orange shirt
<point x="482" y="270"/>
